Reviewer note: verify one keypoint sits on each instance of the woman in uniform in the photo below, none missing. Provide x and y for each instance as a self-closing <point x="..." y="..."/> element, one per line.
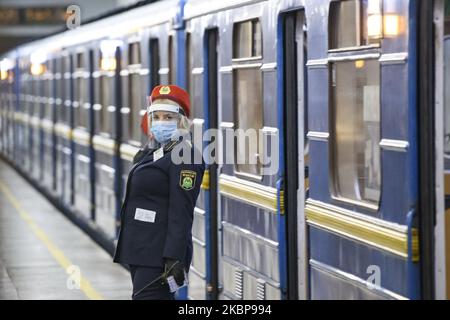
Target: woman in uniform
<point x="155" y="237"/>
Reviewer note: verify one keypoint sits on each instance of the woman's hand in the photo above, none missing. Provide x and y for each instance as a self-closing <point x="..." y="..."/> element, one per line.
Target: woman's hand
<point x="174" y="268"/>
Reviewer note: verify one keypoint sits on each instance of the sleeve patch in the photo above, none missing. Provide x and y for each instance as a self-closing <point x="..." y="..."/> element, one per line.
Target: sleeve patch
<point x="187" y="179"/>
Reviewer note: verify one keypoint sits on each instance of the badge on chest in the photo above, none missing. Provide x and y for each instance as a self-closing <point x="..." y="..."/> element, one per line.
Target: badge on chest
<point x="158" y="154"/>
<point x="145" y="215"/>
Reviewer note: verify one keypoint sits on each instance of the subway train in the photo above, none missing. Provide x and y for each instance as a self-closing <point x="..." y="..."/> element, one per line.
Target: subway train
<point x="355" y="92"/>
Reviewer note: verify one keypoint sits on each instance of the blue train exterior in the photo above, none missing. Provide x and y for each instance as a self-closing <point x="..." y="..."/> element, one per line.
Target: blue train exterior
<point x="335" y="101"/>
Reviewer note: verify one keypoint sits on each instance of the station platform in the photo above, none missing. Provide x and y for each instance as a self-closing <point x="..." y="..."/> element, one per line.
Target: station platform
<point x="45" y="256"/>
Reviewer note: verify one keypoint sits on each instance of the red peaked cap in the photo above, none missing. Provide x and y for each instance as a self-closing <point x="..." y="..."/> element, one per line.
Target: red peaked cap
<point x="170" y="92"/>
<point x="174" y="93"/>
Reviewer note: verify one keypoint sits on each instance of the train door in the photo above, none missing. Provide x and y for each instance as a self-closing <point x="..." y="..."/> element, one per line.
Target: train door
<point x="362" y="208"/>
<point x="295" y="125"/>
<point x="212" y="122"/>
<point x="442" y="131"/>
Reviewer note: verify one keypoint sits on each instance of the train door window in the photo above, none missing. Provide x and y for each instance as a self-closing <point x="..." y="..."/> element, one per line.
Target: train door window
<point x="48" y="83"/>
<point x="356" y="130"/>
<point x="66" y="76"/>
<point x="154" y="64"/>
<point x="81" y="113"/>
<point x="248" y="95"/>
<point x="189" y="77"/>
<point x="134" y="53"/>
<point x="136" y="97"/>
<point x="33" y="86"/>
<point x="172" y="61"/>
<point x="106" y="101"/>
<point x="59" y="84"/>
<point x="446" y="89"/>
<point x="38" y="95"/>
<point x="97" y="76"/>
<point x="247" y="40"/>
<point x="188" y="63"/>
<point x="355" y="23"/>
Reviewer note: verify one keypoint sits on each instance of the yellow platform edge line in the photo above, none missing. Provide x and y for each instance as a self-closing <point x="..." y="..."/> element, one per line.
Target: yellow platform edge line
<point x="57" y="254"/>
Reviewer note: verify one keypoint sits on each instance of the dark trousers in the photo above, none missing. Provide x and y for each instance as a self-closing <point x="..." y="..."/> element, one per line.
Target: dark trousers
<point x="142" y="277"/>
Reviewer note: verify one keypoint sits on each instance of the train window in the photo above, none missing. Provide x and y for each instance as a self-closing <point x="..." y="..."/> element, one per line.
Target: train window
<point x="447" y="94"/>
<point x="81" y="93"/>
<point x="189" y="78"/>
<point x="446" y="48"/>
<point x="356" y="131"/>
<point x="248" y="114"/>
<point x="80" y="60"/>
<point x="66" y="76"/>
<point x="106" y="100"/>
<point x="247" y="39"/>
<point x="60" y="90"/>
<point x="37" y="94"/>
<point x="34" y="110"/>
<point x="188" y="62"/>
<point x="172" y="65"/>
<point x="134" y="53"/>
<point x="48" y="92"/>
<point x="355" y="23"/>
<point x="248" y="95"/>
<point x="154" y="63"/>
<point x="136" y="96"/>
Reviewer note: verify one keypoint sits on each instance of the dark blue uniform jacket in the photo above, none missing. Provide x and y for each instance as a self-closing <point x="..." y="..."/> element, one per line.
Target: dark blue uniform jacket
<point x="166" y="192"/>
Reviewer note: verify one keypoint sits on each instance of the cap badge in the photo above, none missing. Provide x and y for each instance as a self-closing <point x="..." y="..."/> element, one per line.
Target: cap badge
<point x="164" y="90"/>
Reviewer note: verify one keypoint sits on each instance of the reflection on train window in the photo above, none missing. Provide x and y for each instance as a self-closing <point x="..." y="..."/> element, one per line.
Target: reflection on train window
<point x="356" y="130"/>
<point x="136" y="96"/>
<point x="172" y="65"/>
<point x="247" y="39"/>
<point x="154" y="64"/>
<point x="355" y="23"/>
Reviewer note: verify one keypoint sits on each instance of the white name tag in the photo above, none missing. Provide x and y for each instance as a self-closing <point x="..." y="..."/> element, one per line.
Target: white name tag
<point x="158" y="154"/>
<point x="144" y="215"/>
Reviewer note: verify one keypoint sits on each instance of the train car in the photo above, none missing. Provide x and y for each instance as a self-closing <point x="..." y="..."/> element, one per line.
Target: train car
<point x="63" y="127"/>
<point x="355" y="78"/>
<point x="240" y="235"/>
<point x="6" y="97"/>
<point x="347" y="108"/>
